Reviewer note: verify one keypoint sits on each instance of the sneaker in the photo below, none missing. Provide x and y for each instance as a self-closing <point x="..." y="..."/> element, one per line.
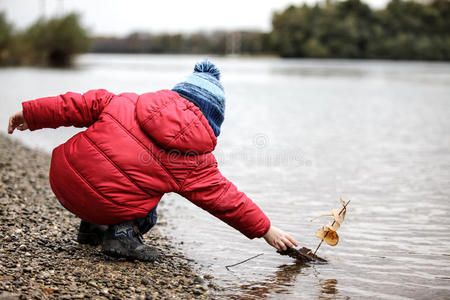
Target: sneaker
<point x="91" y="234"/>
<point x="125" y="240"/>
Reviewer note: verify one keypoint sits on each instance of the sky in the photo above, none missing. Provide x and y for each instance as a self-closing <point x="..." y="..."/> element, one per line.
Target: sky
<point x="120" y="17"/>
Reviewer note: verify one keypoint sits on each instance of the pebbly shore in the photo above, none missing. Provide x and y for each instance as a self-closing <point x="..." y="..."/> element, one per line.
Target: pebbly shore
<point x="40" y="258"/>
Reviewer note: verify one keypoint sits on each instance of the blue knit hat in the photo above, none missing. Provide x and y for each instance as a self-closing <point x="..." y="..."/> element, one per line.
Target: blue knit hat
<point x="204" y="89"/>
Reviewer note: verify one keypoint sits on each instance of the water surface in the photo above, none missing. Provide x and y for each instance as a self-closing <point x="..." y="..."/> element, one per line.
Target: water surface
<point x="299" y="134"/>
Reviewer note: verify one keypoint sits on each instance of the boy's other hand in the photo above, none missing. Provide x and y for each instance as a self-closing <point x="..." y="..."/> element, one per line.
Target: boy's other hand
<point x="17" y="121"/>
<point x="279" y="239"/>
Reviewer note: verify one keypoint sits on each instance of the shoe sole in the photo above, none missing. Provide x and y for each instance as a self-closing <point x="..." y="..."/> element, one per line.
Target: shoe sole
<point x="119" y="254"/>
<point x="92" y="239"/>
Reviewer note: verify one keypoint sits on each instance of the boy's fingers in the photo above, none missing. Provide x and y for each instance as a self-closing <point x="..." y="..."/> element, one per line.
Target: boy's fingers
<point x="282" y="245"/>
<point x="274" y="244"/>
<point x="10" y="126"/>
<point x="291" y="239"/>
<point x="287" y="243"/>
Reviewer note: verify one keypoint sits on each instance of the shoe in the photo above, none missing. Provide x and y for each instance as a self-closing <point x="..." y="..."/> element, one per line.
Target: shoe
<point x="91" y="234"/>
<point x="125" y="240"/>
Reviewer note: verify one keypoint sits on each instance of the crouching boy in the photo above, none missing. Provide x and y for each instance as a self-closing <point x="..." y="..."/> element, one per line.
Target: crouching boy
<point x="135" y="149"/>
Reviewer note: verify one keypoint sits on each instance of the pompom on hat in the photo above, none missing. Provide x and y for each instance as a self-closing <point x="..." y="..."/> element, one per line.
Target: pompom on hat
<point x="204" y="89"/>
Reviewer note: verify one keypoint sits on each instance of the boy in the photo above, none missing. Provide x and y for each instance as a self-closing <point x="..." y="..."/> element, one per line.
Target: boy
<point x="135" y="149"/>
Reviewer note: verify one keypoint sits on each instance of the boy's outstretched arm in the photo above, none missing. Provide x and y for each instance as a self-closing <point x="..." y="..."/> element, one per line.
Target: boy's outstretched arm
<point x="69" y="109"/>
<point x="207" y="188"/>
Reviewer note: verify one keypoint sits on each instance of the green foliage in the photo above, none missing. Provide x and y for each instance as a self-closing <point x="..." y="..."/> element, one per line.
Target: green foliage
<point x="350" y="29"/>
<point x="5" y="39"/>
<point x="57" y="40"/>
<point x="47" y="42"/>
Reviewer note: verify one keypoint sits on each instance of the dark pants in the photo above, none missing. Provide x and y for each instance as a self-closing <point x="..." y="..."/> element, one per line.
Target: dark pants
<point x="144" y="224"/>
<point x="147" y="223"/>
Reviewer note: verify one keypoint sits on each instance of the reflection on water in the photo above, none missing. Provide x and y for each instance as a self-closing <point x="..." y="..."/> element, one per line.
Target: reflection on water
<point x="328" y="288"/>
<point x="299" y="134"/>
<point x="278" y="283"/>
<point x="282" y="282"/>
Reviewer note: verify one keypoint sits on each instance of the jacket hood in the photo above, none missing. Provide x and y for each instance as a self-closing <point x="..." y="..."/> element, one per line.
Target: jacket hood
<point x="174" y="123"/>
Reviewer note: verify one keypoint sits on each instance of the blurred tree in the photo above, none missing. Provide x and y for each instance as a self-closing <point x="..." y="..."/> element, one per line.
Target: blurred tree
<point x="56" y="41"/>
<point x="411" y="30"/>
<point x="350" y="29"/>
<point x="5" y="40"/>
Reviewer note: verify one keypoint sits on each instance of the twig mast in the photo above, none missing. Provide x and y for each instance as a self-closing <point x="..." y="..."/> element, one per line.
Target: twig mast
<point x="326" y="233"/>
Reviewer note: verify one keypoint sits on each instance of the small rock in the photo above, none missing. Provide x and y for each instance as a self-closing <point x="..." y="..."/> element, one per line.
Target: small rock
<point x="198" y="280"/>
<point x="197" y="291"/>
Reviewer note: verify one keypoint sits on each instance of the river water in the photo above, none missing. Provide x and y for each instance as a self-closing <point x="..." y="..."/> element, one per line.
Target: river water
<point x="298" y="135"/>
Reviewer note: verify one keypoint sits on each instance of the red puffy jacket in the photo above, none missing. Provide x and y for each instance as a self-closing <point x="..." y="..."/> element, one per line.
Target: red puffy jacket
<point x="135" y="149"/>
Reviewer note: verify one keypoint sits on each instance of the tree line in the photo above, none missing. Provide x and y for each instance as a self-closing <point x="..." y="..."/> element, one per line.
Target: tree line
<point x="215" y="42"/>
<point x="404" y="29"/>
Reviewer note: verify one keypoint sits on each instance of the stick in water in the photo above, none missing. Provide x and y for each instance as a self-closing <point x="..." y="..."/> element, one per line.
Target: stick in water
<point x="229" y="266"/>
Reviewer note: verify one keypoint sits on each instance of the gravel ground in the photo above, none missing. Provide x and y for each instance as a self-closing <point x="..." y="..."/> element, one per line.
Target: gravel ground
<point x="40" y="258"/>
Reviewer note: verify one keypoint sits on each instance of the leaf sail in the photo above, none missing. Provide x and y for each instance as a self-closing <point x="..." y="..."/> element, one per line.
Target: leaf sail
<point x="328" y="232"/>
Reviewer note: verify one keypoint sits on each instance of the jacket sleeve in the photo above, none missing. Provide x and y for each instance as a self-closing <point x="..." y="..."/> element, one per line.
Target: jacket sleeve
<point x="207" y="188"/>
<point x="70" y="109"/>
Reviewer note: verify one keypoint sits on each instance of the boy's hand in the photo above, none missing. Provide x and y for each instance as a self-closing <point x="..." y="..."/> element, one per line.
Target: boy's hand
<point x="17" y="121"/>
<point x="278" y="239"/>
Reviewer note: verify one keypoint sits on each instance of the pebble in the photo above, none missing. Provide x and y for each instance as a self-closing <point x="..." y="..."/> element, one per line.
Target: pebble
<point x="198" y="280"/>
